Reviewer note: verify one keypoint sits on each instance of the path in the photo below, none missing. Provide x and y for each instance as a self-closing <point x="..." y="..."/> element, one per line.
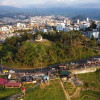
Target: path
<point x="14" y="97"/>
<point x="65" y="92"/>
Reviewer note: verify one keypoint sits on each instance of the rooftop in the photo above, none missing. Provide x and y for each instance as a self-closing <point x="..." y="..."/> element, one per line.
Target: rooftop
<point x="65" y="72"/>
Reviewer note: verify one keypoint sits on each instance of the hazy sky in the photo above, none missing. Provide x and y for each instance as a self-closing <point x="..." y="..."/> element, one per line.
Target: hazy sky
<point x="51" y="3"/>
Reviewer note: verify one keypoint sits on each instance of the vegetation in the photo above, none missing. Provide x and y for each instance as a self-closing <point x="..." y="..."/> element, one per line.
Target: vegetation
<point x="69" y="88"/>
<point x="91" y="80"/>
<point x="89" y="95"/>
<point x="49" y="92"/>
<point x="91" y="87"/>
<point x="4" y="76"/>
<point x="59" y="47"/>
<point x="7" y="92"/>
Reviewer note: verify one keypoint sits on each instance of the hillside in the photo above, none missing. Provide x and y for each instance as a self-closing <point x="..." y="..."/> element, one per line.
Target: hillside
<point x="91" y="86"/>
<point x="21" y="52"/>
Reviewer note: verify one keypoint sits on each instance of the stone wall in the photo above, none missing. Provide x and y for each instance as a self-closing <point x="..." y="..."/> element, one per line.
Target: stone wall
<point x="84" y="70"/>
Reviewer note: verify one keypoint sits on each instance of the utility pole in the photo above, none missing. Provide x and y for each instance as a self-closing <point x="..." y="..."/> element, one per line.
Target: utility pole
<point x="41" y="64"/>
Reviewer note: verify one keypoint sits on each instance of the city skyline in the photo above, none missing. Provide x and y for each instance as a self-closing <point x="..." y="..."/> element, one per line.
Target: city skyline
<point x="51" y="3"/>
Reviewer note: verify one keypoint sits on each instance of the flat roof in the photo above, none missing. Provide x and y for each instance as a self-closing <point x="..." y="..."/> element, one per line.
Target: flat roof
<point x="65" y="72"/>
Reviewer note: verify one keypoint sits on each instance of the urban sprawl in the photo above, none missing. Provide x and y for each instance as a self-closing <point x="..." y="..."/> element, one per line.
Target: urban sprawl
<point x="46" y="24"/>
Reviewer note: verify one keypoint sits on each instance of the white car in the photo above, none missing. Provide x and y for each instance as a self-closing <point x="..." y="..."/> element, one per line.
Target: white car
<point x="11" y="71"/>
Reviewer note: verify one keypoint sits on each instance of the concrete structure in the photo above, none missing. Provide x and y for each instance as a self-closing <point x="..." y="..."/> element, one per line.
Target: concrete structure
<point x="78" y="21"/>
<point x="84" y="70"/>
<point x="84" y="25"/>
<point x="60" y="26"/>
<point x="96" y="34"/>
<point x="87" y="19"/>
<point x="21" y="25"/>
<point x="68" y="22"/>
<point x="39" y="38"/>
<point x="76" y="28"/>
<point x="98" y="26"/>
<point x="45" y="30"/>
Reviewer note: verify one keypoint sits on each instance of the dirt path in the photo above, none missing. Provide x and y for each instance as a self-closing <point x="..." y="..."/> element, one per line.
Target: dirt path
<point x="65" y="92"/>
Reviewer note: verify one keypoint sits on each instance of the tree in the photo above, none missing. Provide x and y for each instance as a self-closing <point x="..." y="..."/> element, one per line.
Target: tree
<point x="93" y="25"/>
<point x="93" y="41"/>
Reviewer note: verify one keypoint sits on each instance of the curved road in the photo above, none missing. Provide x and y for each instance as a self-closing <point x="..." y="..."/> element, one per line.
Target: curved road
<point x="47" y="68"/>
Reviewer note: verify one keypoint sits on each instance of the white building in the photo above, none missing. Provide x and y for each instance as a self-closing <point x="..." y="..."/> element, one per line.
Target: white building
<point x="60" y="26"/>
<point x="96" y="34"/>
<point x="98" y="26"/>
<point x="84" y="25"/>
<point x="78" y="21"/>
<point x="76" y="28"/>
<point x="45" y="30"/>
<point x="4" y="29"/>
<point x="21" y="25"/>
<point x="68" y="22"/>
<point x="87" y="19"/>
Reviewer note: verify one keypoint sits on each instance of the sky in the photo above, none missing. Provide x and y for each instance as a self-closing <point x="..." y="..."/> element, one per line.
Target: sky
<point x="52" y="3"/>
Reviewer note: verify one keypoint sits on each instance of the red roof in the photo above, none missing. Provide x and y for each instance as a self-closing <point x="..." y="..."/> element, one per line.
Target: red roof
<point x="13" y="84"/>
<point x="2" y="81"/>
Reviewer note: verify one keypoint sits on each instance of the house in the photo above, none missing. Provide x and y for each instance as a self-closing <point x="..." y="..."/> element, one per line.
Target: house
<point x="3" y="81"/>
<point x="84" y="25"/>
<point x="65" y="75"/>
<point x="39" y="74"/>
<point x="45" y="30"/>
<point x="13" y="84"/>
<point x="62" y="67"/>
<point x="27" y="78"/>
<point x="46" y="78"/>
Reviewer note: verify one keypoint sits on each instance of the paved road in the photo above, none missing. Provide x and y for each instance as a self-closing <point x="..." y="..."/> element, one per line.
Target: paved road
<point x="47" y="68"/>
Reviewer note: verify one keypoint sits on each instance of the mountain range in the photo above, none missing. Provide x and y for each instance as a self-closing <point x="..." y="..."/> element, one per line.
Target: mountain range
<point x="93" y="13"/>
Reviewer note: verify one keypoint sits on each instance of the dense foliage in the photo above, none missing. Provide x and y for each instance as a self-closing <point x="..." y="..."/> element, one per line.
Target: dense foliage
<point x="59" y="47"/>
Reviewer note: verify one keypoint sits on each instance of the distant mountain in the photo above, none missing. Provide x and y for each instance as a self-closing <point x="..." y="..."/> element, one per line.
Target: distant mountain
<point x="81" y="18"/>
<point x="93" y="13"/>
<point x="8" y="9"/>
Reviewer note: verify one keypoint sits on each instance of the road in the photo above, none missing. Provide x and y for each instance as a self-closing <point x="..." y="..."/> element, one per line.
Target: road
<point x="47" y="68"/>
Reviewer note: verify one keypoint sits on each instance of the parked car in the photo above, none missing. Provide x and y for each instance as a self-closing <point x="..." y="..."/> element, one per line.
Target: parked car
<point x="11" y="71"/>
<point x="5" y="71"/>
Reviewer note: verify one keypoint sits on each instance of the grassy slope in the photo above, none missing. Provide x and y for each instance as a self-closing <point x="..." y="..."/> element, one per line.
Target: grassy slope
<point x="89" y="95"/>
<point x="4" y="76"/>
<point x="6" y="93"/>
<point x="93" y="81"/>
<point x="51" y="92"/>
